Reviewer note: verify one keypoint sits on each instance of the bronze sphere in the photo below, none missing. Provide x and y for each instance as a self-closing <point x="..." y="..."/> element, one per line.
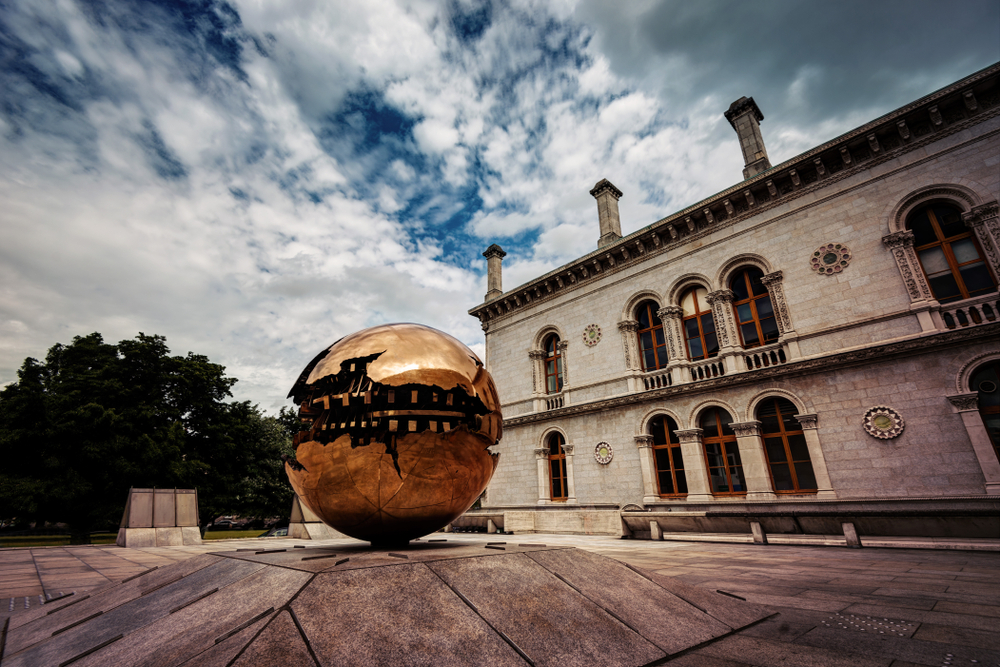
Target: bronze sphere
<point x="397" y="421"/>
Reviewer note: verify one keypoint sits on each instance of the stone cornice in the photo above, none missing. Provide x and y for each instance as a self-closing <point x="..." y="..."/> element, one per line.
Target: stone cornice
<point x="901" y="131"/>
<point x="840" y="360"/>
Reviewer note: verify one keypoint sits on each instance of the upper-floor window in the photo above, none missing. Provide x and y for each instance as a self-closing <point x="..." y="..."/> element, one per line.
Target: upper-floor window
<point x="652" y="348"/>
<point x="785" y="445"/>
<point x="699" y="327"/>
<point x="722" y="454"/>
<point x="753" y="308"/>
<point x="553" y="365"/>
<point x="948" y="253"/>
<point x="557" y="467"/>
<point x="670" y="477"/>
<point x="986" y="382"/>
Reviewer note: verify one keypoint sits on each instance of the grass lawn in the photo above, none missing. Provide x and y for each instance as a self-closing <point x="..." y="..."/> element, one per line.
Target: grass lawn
<point x="52" y="540"/>
<point x="232" y="534"/>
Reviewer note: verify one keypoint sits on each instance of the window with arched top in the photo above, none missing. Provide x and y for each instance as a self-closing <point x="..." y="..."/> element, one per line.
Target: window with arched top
<point x="652" y="348"/>
<point x="753" y="309"/>
<point x="725" y="469"/>
<point x="986" y="382"/>
<point x="670" y="477"/>
<point x="788" y="459"/>
<point x="949" y="253"/>
<point x="553" y="365"/>
<point x="699" y="327"/>
<point x="557" y="467"/>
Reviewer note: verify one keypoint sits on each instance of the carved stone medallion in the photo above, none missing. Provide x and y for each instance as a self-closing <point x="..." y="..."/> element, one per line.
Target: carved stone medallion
<point x="603" y="453"/>
<point x="591" y="335"/>
<point x="883" y="422"/>
<point x="830" y="258"/>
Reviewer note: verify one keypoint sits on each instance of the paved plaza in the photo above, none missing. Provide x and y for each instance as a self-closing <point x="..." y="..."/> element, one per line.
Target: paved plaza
<point x="833" y="606"/>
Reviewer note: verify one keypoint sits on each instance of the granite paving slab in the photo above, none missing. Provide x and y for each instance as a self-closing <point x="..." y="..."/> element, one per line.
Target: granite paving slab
<point x="280" y="644"/>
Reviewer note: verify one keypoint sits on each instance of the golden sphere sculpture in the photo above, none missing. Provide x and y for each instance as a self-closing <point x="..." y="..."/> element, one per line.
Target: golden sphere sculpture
<point x="396" y="425"/>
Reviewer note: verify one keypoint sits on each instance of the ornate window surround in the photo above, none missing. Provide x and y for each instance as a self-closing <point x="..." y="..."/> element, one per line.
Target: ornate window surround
<point x="979" y="213"/>
<point x="537" y="357"/>
<point x="772" y="279"/>
<point x="542" y="464"/>
<point x="966" y="404"/>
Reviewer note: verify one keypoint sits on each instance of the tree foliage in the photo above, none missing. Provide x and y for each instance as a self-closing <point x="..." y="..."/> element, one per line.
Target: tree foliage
<point x="95" y="419"/>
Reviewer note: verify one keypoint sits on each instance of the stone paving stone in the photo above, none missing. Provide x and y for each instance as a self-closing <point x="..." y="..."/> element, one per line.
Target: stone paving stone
<point x="778" y="629"/>
<point x="401" y="614"/>
<point x="718" y="606"/>
<point x="968" y="621"/>
<point x="696" y="659"/>
<point x="534" y="601"/>
<point x="280" y="644"/>
<point x="987" y="639"/>
<point x="768" y="653"/>
<point x="918" y="649"/>
<point x="221" y="654"/>
<point x="966" y="608"/>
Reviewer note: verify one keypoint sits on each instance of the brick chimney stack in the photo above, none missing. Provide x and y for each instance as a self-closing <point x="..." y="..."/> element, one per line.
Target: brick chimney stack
<point x="745" y="117"/>
<point x="607" y="196"/>
<point x="494" y="257"/>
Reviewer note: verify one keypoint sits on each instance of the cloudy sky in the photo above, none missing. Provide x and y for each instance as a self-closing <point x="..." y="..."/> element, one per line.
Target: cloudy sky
<point x="254" y="179"/>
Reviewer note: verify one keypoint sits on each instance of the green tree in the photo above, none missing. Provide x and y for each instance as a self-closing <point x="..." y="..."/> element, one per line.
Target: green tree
<point x="95" y="419"/>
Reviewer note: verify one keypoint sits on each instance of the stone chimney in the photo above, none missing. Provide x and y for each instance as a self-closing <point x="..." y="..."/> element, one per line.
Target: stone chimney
<point x="494" y="256"/>
<point x="745" y="117"/>
<point x="607" y="197"/>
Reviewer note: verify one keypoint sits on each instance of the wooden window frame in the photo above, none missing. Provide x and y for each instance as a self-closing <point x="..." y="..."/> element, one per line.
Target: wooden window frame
<point x="783" y="434"/>
<point x="701" y="332"/>
<point x="552" y="355"/>
<point x="725" y="442"/>
<point x="949" y="255"/>
<point x="654" y="325"/>
<point x="670" y="446"/>
<point x="557" y="463"/>
<point x="752" y="301"/>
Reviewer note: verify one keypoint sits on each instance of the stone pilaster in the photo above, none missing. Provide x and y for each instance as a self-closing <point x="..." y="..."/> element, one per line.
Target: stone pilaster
<point x="563" y="345"/>
<point x="570" y="480"/>
<point x="542" y="459"/>
<point x="628" y="329"/>
<point x="721" y="302"/>
<point x="900" y="244"/>
<point x="538" y="372"/>
<point x="824" y="488"/>
<point x="755" y="472"/>
<point x="772" y="281"/>
<point x="984" y="221"/>
<point x="695" y="468"/>
<point x="672" y="317"/>
<point x="967" y="406"/>
<point x="647" y="466"/>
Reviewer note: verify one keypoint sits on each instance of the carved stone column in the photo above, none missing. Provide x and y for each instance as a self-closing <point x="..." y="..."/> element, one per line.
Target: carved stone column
<point x="984" y="221"/>
<point x="544" y="492"/>
<point x="824" y="489"/>
<point x="772" y="281"/>
<point x="570" y="481"/>
<point x="537" y="371"/>
<point x="900" y="244"/>
<point x="647" y="466"/>
<point x="967" y="405"/>
<point x="628" y="329"/>
<point x="755" y="470"/>
<point x="672" y="317"/>
<point x="563" y="345"/>
<point x="725" y="327"/>
<point x="695" y="468"/>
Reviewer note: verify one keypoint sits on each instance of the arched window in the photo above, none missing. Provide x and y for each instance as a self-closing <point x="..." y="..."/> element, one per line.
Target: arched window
<point x="557" y="467"/>
<point x="669" y="463"/>
<point x="553" y="365"/>
<point x="699" y="327"/>
<point x="986" y="382"/>
<point x="948" y="253"/>
<point x="752" y="305"/>
<point x="785" y="445"/>
<point x="725" y="469"/>
<point x="652" y="348"/>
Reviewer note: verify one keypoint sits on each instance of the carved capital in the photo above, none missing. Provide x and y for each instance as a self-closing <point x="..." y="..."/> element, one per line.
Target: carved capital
<point x="568" y="449"/>
<point x="744" y="429"/>
<point x="644" y="441"/>
<point x="537" y="354"/>
<point x="689" y="435"/>
<point x="670" y="312"/>
<point x="630" y="326"/>
<point x="541" y="453"/>
<point x="808" y="422"/>
<point x="562" y="345"/>
<point x="980" y="214"/>
<point x="771" y="278"/>
<point x="965" y="402"/>
<point x="721" y="296"/>
<point x="903" y="239"/>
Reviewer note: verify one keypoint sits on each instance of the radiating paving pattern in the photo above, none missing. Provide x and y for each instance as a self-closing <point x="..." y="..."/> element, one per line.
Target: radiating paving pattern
<point x="433" y="603"/>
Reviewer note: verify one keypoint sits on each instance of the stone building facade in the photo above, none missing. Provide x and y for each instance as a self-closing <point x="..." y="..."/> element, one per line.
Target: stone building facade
<point x="825" y="332"/>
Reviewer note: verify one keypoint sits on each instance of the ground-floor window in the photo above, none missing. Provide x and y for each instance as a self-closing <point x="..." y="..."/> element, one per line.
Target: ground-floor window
<point x="557" y="467"/>
<point x="788" y="459"/>
<point x="725" y="469"/>
<point x="986" y="382"/>
<point x="670" y="477"/>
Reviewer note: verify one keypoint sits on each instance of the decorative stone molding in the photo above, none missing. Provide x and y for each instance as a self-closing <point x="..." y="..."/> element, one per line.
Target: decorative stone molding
<point x="541" y="453"/>
<point x="963" y="379"/>
<point x="808" y="422"/>
<point x="901" y="246"/>
<point x="671" y="316"/>
<point x="644" y="440"/>
<point x="537" y="369"/>
<point x="568" y="449"/>
<point x="628" y="329"/>
<point x="689" y="435"/>
<point x="591" y="335"/>
<point x="830" y="258"/>
<point x="603" y="453"/>
<point x="965" y="197"/>
<point x="745" y="429"/>
<point x="883" y="422"/>
<point x="985" y="223"/>
<point x="772" y="281"/>
<point x="965" y="402"/>
<point x="722" y="312"/>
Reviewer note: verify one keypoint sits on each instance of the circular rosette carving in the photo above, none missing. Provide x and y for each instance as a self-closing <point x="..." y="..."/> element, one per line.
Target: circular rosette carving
<point x="830" y="258"/>
<point x="883" y="422"/>
<point x="603" y="453"/>
<point x="591" y="335"/>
